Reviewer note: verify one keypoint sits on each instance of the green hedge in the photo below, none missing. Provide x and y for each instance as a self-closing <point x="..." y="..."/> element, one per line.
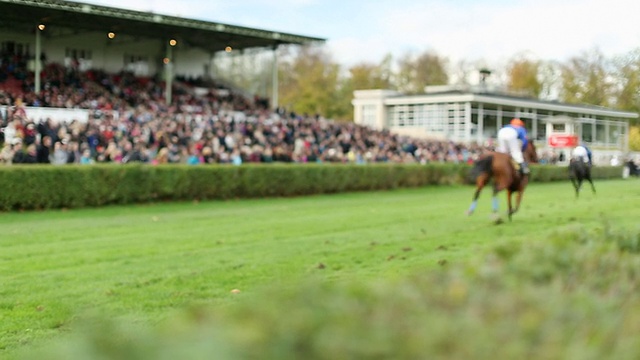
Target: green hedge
<point x="49" y="187"/>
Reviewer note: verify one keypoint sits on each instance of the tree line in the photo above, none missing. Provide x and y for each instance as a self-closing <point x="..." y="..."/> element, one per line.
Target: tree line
<point x="312" y="82"/>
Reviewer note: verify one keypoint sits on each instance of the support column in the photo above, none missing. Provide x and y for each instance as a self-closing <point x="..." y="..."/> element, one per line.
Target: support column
<point x="38" y="64"/>
<point x="534" y="125"/>
<point x="274" y="79"/>
<point x="625" y="136"/>
<point x="168" y="68"/>
<point x="456" y="122"/>
<point x="480" y="129"/>
<point x="467" y="122"/>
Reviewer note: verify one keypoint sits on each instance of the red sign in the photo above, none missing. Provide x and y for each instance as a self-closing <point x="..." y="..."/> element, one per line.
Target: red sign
<point x="561" y="141"/>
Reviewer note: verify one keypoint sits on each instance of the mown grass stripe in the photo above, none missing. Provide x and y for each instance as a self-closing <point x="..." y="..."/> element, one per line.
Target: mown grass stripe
<point x="147" y="260"/>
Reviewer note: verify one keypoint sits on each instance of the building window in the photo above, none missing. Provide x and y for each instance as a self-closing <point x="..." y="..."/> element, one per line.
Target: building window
<point x="420" y="115"/>
<point x="587" y="132"/>
<point x="78" y="59"/>
<point x="369" y="115"/>
<point x="137" y="64"/>
<point x="400" y="115"/>
<point x="456" y="121"/>
<point x="541" y="133"/>
<point x="14" y="48"/>
<point x="600" y="133"/>
<point x="559" y="127"/>
<point x="615" y="131"/>
<point x="410" y="120"/>
<point x="78" y="54"/>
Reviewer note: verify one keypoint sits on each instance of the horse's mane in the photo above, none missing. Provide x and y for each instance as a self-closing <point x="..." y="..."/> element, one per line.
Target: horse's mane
<point x="530" y="153"/>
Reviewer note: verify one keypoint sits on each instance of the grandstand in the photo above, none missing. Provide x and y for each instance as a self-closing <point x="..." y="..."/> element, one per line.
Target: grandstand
<point x="106" y="94"/>
<point x="111" y="39"/>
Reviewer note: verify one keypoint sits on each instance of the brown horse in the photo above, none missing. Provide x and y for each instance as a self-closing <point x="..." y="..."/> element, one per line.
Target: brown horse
<point x="502" y="169"/>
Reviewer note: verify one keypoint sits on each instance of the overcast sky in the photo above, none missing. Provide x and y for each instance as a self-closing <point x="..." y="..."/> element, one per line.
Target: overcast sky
<point x="475" y="30"/>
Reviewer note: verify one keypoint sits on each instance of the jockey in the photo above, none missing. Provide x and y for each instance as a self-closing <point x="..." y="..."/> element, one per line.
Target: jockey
<point x="508" y="143"/>
<point x="582" y="152"/>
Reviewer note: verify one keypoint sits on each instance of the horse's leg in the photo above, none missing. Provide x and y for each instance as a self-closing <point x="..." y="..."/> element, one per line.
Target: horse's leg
<point x="579" y="185"/>
<point x="593" y="188"/>
<point x="575" y="184"/>
<point x="519" y="195"/>
<point x="480" y="183"/>
<point x="511" y="211"/>
<point x="474" y="202"/>
<point x="494" y="199"/>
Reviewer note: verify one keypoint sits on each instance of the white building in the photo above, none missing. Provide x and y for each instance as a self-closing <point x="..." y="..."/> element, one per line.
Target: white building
<point x="470" y="114"/>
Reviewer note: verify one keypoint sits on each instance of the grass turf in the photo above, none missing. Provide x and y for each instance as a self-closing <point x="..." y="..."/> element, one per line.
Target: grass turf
<point x="145" y="261"/>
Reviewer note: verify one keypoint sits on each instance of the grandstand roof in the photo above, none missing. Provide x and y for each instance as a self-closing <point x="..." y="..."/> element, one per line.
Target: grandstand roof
<point x="66" y="16"/>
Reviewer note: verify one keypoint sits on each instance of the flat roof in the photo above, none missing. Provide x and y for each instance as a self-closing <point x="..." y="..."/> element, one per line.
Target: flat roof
<point x="507" y="100"/>
<point x="63" y="17"/>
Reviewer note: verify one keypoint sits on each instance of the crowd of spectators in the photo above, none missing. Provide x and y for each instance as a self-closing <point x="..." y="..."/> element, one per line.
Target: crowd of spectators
<point x="13" y="64"/>
<point x="130" y="122"/>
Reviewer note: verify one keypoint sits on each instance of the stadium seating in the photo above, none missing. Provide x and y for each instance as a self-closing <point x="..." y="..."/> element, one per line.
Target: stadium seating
<point x="131" y="122"/>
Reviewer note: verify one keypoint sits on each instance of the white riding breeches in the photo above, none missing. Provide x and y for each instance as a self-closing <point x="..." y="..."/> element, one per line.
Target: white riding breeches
<point x="580" y="152"/>
<point x="508" y="143"/>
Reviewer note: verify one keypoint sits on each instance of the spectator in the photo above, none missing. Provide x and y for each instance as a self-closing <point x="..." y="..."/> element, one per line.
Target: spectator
<point x="615" y="161"/>
<point x="6" y="154"/>
<point x="18" y="151"/>
<point x="60" y="155"/>
<point x="86" y="159"/>
<point x="31" y="155"/>
<point x="43" y="148"/>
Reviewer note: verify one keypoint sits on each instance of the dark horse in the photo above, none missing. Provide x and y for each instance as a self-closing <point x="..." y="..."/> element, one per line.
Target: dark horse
<point x="580" y="171"/>
<point x="502" y="169"/>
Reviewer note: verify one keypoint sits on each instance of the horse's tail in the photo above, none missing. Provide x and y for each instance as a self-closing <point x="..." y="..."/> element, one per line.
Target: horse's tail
<point x="480" y="166"/>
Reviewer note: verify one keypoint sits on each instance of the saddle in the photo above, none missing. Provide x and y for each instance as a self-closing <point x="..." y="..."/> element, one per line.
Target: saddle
<point x="583" y="159"/>
<point x="518" y="168"/>
<point x="515" y="165"/>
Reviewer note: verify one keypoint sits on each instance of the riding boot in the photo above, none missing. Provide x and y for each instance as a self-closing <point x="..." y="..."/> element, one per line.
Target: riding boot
<point x="524" y="168"/>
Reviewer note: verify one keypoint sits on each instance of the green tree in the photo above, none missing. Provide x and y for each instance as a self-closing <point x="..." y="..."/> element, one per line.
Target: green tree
<point x="362" y="76"/>
<point x="524" y="76"/>
<point x="634" y="138"/>
<point x="628" y="81"/>
<point x="310" y="83"/>
<point x="586" y="79"/>
<point x="370" y="76"/>
<point x="416" y="72"/>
